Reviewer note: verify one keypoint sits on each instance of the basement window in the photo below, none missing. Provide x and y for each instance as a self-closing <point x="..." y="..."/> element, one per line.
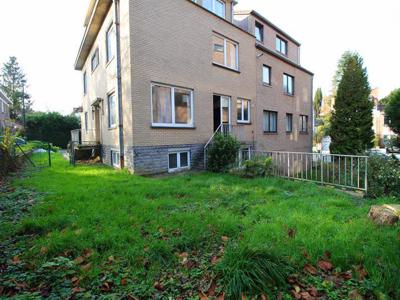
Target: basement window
<point x="178" y="161"/>
<point x="115" y="161"/>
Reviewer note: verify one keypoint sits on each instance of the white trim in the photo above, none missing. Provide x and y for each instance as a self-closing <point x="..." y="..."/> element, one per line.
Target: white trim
<point x="178" y="160"/>
<point x="115" y="152"/>
<point x="242" y="121"/>
<point x="173" y="124"/>
<point x="225" y="64"/>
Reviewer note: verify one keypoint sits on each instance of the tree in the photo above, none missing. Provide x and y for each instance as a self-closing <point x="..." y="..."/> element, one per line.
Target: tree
<point x="51" y="127"/>
<point x="317" y="102"/>
<point x="13" y="81"/>
<point x="392" y="110"/>
<point x="340" y="70"/>
<point x="351" y="128"/>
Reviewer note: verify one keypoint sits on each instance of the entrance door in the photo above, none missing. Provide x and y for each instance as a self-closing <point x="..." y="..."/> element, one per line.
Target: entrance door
<point x="222" y="112"/>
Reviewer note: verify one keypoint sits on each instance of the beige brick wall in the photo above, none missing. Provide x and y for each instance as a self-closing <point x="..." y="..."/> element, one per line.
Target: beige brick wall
<point x="272" y="98"/>
<point x="103" y="81"/>
<point x="172" y="44"/>
<point x="247" y="22"/>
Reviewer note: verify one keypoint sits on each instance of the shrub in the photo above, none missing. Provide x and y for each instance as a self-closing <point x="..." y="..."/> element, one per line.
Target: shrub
<point x="7" y="141"/>
<point x="51" y="127"/>
<point x="222" y="153"/>
<point x="251" y="272"/>
<point x="256" y="167"/>
<point x="383" y="177"/>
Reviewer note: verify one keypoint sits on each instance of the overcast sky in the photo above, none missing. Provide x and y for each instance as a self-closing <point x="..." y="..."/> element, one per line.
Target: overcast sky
<point x="45" y="35"/>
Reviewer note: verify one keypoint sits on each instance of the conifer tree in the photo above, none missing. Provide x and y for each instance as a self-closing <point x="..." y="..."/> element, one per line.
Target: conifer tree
<point x="351" y="129"/>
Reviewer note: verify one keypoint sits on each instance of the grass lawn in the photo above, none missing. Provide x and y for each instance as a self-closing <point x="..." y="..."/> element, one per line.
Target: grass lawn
<point x="109" y="233"/>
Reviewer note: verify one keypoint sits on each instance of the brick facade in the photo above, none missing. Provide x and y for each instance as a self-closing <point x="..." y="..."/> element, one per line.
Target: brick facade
<point x="171" y="42"/>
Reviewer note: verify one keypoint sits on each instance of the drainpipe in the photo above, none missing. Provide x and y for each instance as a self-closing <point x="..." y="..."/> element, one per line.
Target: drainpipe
<point x="119" y="83"/>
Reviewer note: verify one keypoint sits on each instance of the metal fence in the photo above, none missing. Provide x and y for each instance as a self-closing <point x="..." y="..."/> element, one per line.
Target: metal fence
<point x="347" y="171"/>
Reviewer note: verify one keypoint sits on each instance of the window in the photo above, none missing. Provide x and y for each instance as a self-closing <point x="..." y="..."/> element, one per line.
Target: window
<point x="215" y="6"/>
<point x="270" y="121"/>
<point x="289" y="123"/>
<point x="2" y="107"/>
<point x="288" y="84"/>
<point x="172" y="106"/>
<point x="112" y="111"/>
<point x="84" y="83"/>
<point x="95" y="59"/>
<point x="115" y="158"/>
<point x="178" y="161"/>
<point x="303" y="124"/>
<point x="110" y="37"/>
<point x="86" y="121"/>
<point x="259" y="32"/>
<point x="267" y="75"/>
<point x="225" y="52"/>
<point x="281" y="46"/>
<point x="243" y="111"/>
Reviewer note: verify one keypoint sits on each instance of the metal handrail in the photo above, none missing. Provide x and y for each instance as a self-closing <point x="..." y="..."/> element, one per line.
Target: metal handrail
<point x="212" y="137"/>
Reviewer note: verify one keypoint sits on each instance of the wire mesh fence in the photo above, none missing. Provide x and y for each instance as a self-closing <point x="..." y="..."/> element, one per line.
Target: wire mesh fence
<point x="347" y="171"/>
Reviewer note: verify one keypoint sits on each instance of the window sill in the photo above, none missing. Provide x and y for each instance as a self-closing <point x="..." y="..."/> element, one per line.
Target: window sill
<point x="267" y="85"/>
<point x="226" y="68"/>
<point x="177" y="170"/>
<point x="270" y="133"/>
<point x="282" y="54"/>
<point x="243" y="123"/>
<point x="159" y="126"/>
<point x="304" y="132"/>
<point x="289" y="95"/>
<point x="109" y="62"/>
<point x="113" y="127"/>
<point x="289" y="132"/>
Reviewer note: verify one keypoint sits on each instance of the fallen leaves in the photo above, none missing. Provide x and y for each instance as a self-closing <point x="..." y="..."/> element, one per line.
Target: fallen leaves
<point x="16" y="260"/>
<point x="361" y="272"/>
<point x="325" y="265"/>
<point x="310" y="269"/>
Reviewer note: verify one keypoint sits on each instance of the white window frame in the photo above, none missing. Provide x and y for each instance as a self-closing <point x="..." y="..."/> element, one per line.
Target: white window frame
<point x="95" y="53"/>
<point x="241" y="120"/>
<point x="282" y="41"/>
<point x="270" y="112"/>
<point x="86" y="120"/>
<point x="269" y="75"/>
<point x="213" y="7"/>
<point x="173" y="123"/>
<point x="259" y="25"/>
<point x="111" y="126"/>
<point x="178" y="158"/>
<point x="113" y="162"/>
<point x="84" y="83"/>
<point x="286" y="91"/>
<point x="287" y="123"/>
<point x="110" y="43"/>
<point x="225" y="53"/>
<point x="302" y="124"/>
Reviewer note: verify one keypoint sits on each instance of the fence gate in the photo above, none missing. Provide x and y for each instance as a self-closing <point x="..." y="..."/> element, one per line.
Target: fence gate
<point x="347" y="171"/>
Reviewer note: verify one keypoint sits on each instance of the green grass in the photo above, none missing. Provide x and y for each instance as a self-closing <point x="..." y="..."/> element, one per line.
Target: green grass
<point x="140" y="226"/>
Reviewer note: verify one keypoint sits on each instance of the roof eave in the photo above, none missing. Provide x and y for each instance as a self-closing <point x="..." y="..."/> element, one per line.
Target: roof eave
<point x="5" y="98"/>
<point x="284" y="59"/>
<point x="94" y="23"/>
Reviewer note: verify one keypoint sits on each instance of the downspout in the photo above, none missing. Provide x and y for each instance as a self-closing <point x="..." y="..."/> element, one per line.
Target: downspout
<point x="119" y="83"/>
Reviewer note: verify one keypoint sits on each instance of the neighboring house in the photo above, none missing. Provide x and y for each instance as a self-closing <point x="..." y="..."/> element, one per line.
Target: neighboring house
<point x="160" y="77"/>
<point x="4" y="110"/>
<point x="382" y="130"/>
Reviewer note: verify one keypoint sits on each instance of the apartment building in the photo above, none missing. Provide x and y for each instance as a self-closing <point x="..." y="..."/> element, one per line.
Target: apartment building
<point x="4" y="110"/>
<point x="160" y="77"/>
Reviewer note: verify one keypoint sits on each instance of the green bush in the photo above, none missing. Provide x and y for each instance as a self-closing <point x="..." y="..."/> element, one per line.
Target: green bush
<point x="7" y="164"/>
<point x="255" y="167"/>
<point x="383" y="177"/>
<point x="251" y="272"/>
<point x="222" y="153"/>
<point x="51" y="127"/>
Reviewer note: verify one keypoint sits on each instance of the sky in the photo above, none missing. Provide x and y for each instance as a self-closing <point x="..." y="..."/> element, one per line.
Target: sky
<point x="45" y="36"/>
